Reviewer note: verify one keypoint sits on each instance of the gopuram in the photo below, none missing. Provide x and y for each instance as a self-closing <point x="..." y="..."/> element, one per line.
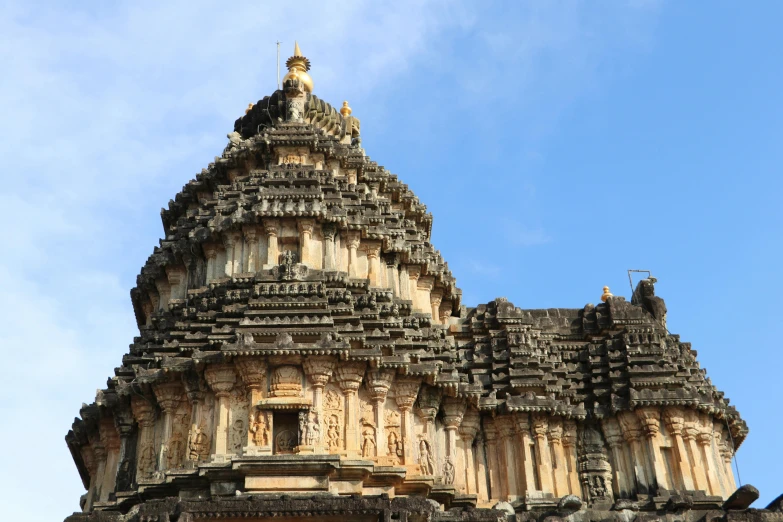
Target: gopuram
<point x="304" y="354"/>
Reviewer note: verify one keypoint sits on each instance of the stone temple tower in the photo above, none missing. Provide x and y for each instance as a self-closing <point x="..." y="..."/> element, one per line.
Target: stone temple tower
<point x="303" y="354"/>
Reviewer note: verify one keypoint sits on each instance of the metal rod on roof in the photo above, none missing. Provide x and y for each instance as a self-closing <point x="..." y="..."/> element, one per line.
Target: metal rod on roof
<point x="278" y="65"/>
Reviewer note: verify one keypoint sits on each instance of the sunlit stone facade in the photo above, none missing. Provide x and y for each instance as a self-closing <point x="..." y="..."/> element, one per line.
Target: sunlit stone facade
<point x="300" y="335"/>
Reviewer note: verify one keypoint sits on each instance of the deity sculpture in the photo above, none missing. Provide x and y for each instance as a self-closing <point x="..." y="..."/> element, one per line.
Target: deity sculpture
<point x="199" y="444"/>
<point x="313" y="430"/>
<point x="333" y="433"/>
<point x="368" y="442"/>
<point x="425" y="458"/>
<point x="260" y="429"/>
<point x="448" y="471"/>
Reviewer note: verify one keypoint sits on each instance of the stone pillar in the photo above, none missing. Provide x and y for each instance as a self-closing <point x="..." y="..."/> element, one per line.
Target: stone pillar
<point x="319" y="369"/>
<point x="704" y="440"/>
<point x="429" y="405"/>
<point x="177" y="279"/>
<point x="453" y="411"/>
<point x="445" y="312"/>
<point x="210" y="252"/>
<point x="506" y="430"/>
<point x="526" y="464"/>
<point x="406" y="391"/>
<point x="436" y="296"/>
<point x="697" y="468"/>
<point x="560" y="475"/>
<point x="726" y="453"/>
<point x="253" y="371"/>
<point x="482" y="470"/>
<point x="466" y="462"/>
<point x="632" y="432"/>
<point x="305" y="235"/>
<point x="123" y="420"/>
<point x="614" y="438"/>
<point x="164" y="293"/>
<point x="414" y="271"/>
<point x="99" y="450"/>
<point x="404" y="283"/>
<point x="349" y="376"/>
<point x="650" y="419"/>
<point x="329" y="232"/>
<point x="675" y="423"/>
<point x="373" y="251"/>
<point x="540" y="426"/>
<point x="353" y="239"/>
<point x="497" y="485"/>
<point x="569" y="448"/>
<point x="111" y="442"/>
<point x="231" y="241"/>
<point x="424" y="287"/>
<point x="251" y="262"/>
<point x="271" y="227"/>
<point x="144" y="412"/>
<point x="169" y="395"/>
<point x="88" y="457"/>
<point x="221" y="378"/>
<point x="378" y="384"/>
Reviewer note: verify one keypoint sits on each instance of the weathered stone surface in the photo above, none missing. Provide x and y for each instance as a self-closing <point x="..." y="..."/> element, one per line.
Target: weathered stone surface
<point x="742" y="498"/>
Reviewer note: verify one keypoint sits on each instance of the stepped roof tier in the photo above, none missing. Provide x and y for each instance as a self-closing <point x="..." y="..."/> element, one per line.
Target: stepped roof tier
<point x="303" y="351"/>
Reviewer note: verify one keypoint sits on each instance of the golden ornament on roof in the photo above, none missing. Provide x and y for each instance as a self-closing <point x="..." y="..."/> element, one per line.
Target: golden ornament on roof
<point x="345" y="110"/>
<point x="298" y="66"/>
<point x="606" y="295"/>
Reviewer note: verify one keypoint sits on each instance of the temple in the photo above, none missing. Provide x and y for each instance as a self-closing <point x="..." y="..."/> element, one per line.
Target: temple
<point x="303" y="353"/>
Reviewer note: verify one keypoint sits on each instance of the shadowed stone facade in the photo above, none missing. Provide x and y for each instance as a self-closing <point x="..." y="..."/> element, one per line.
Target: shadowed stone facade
<point x="303" y="352"/>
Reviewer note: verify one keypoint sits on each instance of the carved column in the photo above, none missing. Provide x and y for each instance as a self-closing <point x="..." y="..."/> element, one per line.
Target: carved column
<point x="726" y="453"/>
<point x="272" y="253"/>
<point x="373" y="251"/>
<point x="403" y="283"/>
<point x="169" y="396"/>
<point x="378" y="384"/>
<point x="632" y="432"/>
<point x="250" y="261"/>
<point x="445" y="312"/>
<point x="177" y="279"/>
<point x="123" y="420"/>
<point x="526" y="464"/>
<point x="569" y="448"/>
<point x="319" y="369"/>
<point x="429" y="404"/>
<point x="305" y="235"/>
<point x="482" y="469"/>
<point x="88" y="457"/>
<point x="675" y="423"/>
<point x="497" y="484"/>
<point x="353" y="238"/>
<point x="231" y="240"/>
<point x="614" y="438"/>
<point x="349" y="376"/>
<point x="704" y="439"/>
<point x="506" y="430"/>
<point x="697" y="468"/>
<point x="466" y="461"/>
<point x="253" y="372"/>
<point x="111" y="441"/>
<point x="414" y="271"/>
<point x="144" y="413"/>
<point x="221" y="378"/>
<point x="99" y="450"/>
<point x="543" y="454"/>
<point x="407" y="389"/>
<point x="210" y="252"/>
<point x="329" y="232"/>
<point x="436" y="296"/>
<point x="453" y="412"/>
<point x="424" y="287"/>
<point x="555" y="436"/>
<point x="650" y="419"/>
<point x="164" y="293"/>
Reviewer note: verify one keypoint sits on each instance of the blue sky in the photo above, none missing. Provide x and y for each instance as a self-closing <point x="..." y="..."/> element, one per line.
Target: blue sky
<point x="557" y="144"/>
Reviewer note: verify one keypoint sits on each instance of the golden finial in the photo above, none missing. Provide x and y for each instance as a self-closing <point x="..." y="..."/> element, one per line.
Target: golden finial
<point x="606" y="295"/>
<point x="298" y="66"/>
<point x="249" y="108"/>
<point x="345" y="110"/>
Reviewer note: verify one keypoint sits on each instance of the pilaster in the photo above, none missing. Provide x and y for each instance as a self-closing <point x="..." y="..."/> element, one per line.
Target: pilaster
<point x="221" y="378"/>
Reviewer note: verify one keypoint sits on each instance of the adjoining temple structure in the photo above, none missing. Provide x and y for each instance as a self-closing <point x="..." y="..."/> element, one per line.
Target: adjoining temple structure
<point x="303" y="351"/>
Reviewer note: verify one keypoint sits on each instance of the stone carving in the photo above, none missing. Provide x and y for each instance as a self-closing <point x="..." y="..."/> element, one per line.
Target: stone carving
<point x="286" y="382"/>
<point x="199" y="444"/>
<point x="333" y="400"/>
<point x="368" y="442"/>
<point x="285" y="442"/>
<point x="313" y="430"/>
<point x="425" y="458"/>
<point x="147" y="460"/>
<point x="260" y="428"/>
<point x="333" y="439"/>
<point x="237" y="436"/>
<point x="394" y="445"/>
<point x="448" y="471"/>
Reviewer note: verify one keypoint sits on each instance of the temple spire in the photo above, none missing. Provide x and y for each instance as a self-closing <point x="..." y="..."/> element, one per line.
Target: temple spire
<point x="298" y="66"/>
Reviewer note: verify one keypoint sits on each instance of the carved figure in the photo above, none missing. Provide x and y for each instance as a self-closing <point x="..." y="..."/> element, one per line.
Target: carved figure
<point x="332" y="400"/>
<point x="598" y="487"/>
<point x="333" y="433"/>
<point x="286" y="382"/>
<point x="260" y="429"/>
<point x="302" y="427"/>
<point x="199" y="444"/>
<point x="285" y="442"/>
<point x="313" y="430"/>
<point x="147" y="460"/>
<point x="425" y="458"/>
<point x="448" y="471"/>
<point x="392" y="442"/>
<point x="368" y="442"/>
<point x="174" y="451"/>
